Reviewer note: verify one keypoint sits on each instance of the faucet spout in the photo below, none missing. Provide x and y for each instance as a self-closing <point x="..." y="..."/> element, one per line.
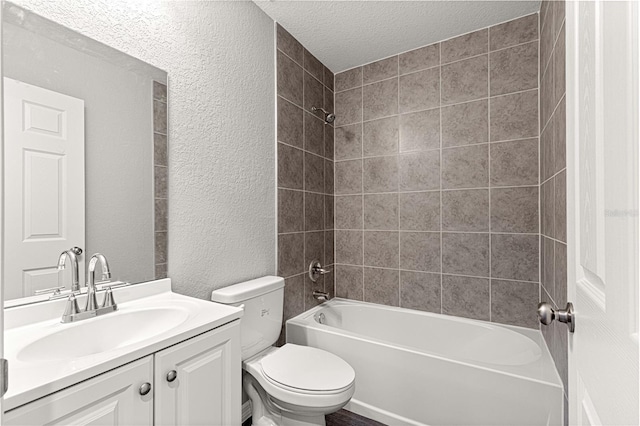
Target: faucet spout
<point x="75" y="283"/>
<point x="92" y="302"/>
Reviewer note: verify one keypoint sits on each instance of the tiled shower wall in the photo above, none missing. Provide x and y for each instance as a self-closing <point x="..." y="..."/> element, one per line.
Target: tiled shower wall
<point x="436" y="177"/>
<point x="305" y="172"/>
<point x="160" y="177"/>
<point x="553" y="177"/>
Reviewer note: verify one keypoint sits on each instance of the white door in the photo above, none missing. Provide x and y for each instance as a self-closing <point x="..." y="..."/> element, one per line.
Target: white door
<point x="198" y="381"/>
<point x="602" y="210"/>
<point x="44" y="185"/>
<point x="113" y="398"/>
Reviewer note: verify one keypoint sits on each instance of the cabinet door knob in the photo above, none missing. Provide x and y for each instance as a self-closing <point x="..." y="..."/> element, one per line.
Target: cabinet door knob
<point x="172" y="375"/>
<point x="145" y="388"/>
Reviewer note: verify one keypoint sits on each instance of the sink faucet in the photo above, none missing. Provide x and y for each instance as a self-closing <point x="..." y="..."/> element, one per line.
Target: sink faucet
<point x="73" y="313"/>
<point x="71" y="254"/>
<point x="92" y="302"/>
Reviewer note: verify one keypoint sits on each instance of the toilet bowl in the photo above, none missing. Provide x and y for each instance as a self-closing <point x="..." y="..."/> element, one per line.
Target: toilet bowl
<point x="291" y="385"/>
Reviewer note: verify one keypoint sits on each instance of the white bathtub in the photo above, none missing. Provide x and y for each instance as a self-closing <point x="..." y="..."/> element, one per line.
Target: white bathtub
<point x="420" y="368"/>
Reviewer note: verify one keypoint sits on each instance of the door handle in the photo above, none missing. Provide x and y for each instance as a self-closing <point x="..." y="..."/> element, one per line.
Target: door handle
<point x="546" y="315"/>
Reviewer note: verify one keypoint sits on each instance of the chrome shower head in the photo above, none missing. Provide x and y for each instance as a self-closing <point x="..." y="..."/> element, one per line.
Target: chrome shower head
<point x="328" y="117"/>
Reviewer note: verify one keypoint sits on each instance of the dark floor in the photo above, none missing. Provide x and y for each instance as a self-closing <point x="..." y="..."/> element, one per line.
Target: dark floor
<point x="341" y="418"/>
<point x="347" y="418"/>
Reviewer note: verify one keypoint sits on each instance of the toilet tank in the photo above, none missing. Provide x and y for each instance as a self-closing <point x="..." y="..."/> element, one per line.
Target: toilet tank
<point x="262" y="300"/>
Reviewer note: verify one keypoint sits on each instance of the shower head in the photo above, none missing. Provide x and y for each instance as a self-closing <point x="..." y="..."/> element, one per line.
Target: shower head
<point x="328" y="117"/>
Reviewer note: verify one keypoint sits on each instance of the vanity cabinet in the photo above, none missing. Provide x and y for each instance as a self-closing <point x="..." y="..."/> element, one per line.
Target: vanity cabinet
<point x="195" y="382"/>
<point x="113" y="398"/>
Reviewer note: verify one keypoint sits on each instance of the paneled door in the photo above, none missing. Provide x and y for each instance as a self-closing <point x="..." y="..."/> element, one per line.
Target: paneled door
<point x="197" y="382"/>
<point x="602" y="210"/>
<point x="44" y="185"/>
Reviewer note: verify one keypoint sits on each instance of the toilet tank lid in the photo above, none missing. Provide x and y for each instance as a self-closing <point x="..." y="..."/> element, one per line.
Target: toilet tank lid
<point x="247" y="290"/>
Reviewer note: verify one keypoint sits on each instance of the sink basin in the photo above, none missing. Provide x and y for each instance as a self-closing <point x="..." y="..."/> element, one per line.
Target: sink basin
<point x="102" y="334"/>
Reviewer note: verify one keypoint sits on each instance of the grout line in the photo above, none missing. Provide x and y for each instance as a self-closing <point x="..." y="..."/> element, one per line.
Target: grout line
<point x="440" y="191"/>
<point x="397" y="195"/>
<point x="489" y="166"/>
<point x="525" y="139"/>
<point x="485" y="98"/>
<point x="533" y="185"/>
<point x="362" y="168"/>
<point x="447" y="274"/>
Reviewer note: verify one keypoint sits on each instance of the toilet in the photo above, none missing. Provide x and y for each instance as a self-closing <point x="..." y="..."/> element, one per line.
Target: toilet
<point x="290" y="385"/>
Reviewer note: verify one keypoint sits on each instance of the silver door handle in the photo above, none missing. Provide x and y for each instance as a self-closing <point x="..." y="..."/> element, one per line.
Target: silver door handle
<point x="172" y="375"/>
<point x="546" y="315"/>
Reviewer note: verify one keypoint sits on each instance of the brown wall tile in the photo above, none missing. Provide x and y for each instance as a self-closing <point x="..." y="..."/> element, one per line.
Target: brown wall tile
<point x="419" y="59"/>
<point x="382" y="286"/>
<point x="419" y="290"/>
<point x="290" y="77"/>
<point x="288" y="44"/>
<point x="514" y="209"/>
<point x="419" y="90"/>
<point x="420" y="131"/>
<point x="514" y="32"/>
<point x="465" y="124"/>
<point x="380" y="70"/>
<point x="514" y="116"/>
<point x="466" y="254"/>
<point x="465" y="297"/>
<point x="464" y="46"/>
<point x="380" y="137"/>
<point x="348" y="79"/>
<point x="465" y="167"/>
<point x="419" y="171"/>
<point x="465" y="80"/>
<point x="381" y="211"/>
<point x="465" y="210"/>
<point x="381" y="249"/>
<point x="514" y="69"/>
<point x="380" y="99"/>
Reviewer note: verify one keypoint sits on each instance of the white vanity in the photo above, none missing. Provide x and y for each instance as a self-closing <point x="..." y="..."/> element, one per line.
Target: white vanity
<point x="162" y="358"/>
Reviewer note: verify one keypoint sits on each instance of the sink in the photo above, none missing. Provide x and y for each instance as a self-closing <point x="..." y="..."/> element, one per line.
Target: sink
<point x="102" y="334"/>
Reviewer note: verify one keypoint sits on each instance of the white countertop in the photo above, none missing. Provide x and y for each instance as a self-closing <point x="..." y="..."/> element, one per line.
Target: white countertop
<point x="32" y="379"/>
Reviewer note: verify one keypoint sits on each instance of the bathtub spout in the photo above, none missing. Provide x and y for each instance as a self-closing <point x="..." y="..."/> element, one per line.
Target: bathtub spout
<point x="321" y="296"/>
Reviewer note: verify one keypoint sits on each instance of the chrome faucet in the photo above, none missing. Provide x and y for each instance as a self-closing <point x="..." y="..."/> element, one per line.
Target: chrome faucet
<point x="92" y="309"/>
<point x="92" y="301"/>
<point x="71" y="254"/>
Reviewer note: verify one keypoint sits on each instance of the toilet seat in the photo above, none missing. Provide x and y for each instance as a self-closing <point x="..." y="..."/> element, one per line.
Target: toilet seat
<point x="307" y="369"/>
<point x="286" y="395"/>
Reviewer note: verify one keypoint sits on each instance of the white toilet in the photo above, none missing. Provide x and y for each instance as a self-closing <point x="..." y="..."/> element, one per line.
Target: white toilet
<point x="290" y="385"/>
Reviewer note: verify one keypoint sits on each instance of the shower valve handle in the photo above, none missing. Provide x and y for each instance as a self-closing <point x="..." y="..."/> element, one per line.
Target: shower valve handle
<point x="316" y="269"/>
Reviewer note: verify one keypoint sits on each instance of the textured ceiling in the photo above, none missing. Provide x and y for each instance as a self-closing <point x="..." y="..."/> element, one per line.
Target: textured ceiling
<point x="345" y="34"/>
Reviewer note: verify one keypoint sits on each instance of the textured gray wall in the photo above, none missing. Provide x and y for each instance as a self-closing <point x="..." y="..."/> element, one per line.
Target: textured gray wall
<point x="220" y="61"/>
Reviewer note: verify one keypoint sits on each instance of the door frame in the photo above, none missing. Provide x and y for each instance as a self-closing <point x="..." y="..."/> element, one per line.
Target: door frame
<point x="572" y="135"/>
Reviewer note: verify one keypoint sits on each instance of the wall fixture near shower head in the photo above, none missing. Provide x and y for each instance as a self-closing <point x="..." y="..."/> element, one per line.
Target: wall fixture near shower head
<point x="328" y="116"/>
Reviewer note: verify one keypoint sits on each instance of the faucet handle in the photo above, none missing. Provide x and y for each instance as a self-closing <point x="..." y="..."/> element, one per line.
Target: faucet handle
<point x="109" y="301"/>
<point x="72" y="307"/>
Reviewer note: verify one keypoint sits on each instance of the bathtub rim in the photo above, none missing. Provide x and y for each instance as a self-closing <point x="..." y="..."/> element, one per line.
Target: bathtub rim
<point x="305" y="320"/>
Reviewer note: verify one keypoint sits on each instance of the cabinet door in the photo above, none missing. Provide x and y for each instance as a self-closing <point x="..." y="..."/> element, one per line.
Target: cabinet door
<point x="113" y="398"/>
<point x="207" y="385"/>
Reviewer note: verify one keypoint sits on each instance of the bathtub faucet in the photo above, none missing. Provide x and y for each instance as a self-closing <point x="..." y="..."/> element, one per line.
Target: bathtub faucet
<point x="321" y="296"/>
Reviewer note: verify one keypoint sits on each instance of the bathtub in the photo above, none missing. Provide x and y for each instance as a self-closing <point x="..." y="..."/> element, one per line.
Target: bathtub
<point x="419" y="368"/>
